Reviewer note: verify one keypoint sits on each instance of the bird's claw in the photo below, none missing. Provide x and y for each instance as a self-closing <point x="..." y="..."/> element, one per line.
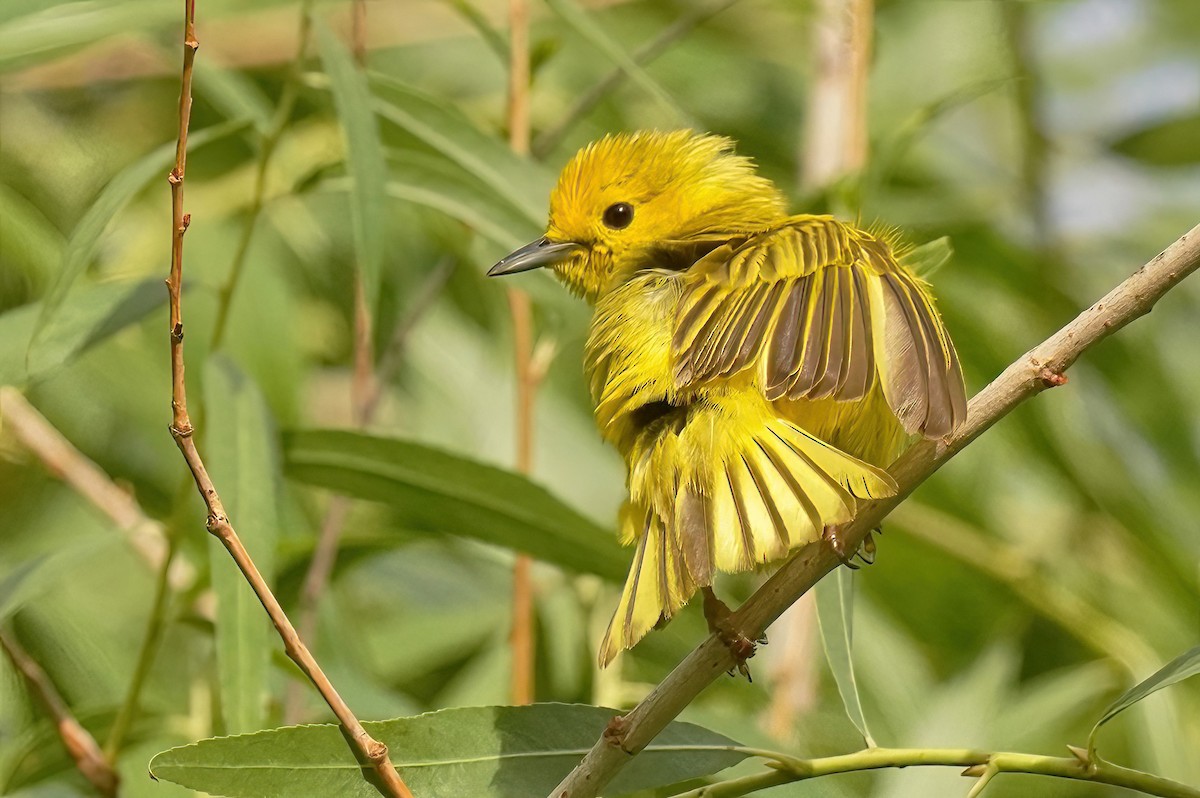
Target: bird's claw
<point x="865" y="553"/>
<point x="719" y="618"/>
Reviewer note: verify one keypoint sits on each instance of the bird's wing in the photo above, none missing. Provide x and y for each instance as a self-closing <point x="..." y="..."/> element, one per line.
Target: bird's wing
<point x="819" y="309"/>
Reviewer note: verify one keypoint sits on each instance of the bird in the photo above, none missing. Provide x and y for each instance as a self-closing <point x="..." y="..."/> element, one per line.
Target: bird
<point x="757" y="370"/>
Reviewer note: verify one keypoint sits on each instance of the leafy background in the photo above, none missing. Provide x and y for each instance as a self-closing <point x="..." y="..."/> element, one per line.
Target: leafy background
<point x="1052" y="565"/>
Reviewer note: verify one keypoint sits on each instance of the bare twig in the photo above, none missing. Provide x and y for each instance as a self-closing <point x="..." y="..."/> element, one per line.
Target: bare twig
<point x="1041" y="368"/>
<point x="371" y="752"/>
<point x="551" y="137"/>
<point x="90" y="481"/>
<point x="521" y="640"/>
<point x="80" y="744"/>
<point x="358" y="32"/>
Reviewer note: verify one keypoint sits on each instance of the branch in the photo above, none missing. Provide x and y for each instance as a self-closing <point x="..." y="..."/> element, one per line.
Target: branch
<point x="79" y="743"/>
<point x="370" y="751"/>
<point x="1041" y="368"/>
<point x="979" y="764"/>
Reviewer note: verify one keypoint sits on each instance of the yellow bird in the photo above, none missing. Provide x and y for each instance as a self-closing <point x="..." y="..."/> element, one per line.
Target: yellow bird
<point x="755" y="369"/>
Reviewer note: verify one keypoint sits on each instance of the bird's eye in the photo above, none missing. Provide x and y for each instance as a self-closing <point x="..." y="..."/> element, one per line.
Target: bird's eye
<point x="618" y="216"/>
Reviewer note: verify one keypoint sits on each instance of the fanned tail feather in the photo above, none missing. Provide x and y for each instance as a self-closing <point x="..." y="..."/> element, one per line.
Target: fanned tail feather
<point x="762" y="493"/>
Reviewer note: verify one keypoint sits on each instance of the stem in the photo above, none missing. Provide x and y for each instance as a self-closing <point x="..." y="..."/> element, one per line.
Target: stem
<point x="369" y="750"/>
<point x="978" y="763"/>
<point x="551" y="137"/>
<point x="521" y="639"/>
<point x="1040" y="368"/>
<point x="266" y="151"/>
<point x="145" y="659"/>
<point x="80" y="744"/>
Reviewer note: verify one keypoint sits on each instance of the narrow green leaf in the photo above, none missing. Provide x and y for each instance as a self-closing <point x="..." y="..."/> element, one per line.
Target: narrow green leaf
<point x="835" y="614"/>
<point x="931" y="256"/>
<point x="443" y="494"/>
<point x="1185" y="665"/>
<point x="27" y="237"/>
<point x="244" y="463"/>
<point x="1172" y="142"/>
<point x="233" y="93"/>
<point x="67" y="26"/>
<point x="364" y="158"/>
<point x="589" y="29"/>
<point x="112" y="198"/>
<point x="443" y="127"/>
<point x="87" y="317"/>
<point x="13" y="584"/>
<point x="481" y="752"/>
<point x="476" y="19"/>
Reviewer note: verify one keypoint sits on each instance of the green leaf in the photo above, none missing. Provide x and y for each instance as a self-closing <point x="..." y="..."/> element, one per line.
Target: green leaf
<point x="443" y="127"/>
<point x="50" y="31"/>
<point x="1172" y="142"/>
<point x="112" y="198"/>
<point x="87" y="317"/>
<point x="589" y="29"/>
<point x="931" y="256"/>
<point x="443" y="494"/>
<point x="13" y="583"/>
<point x="481" y="752"/>
<point x="244" y="463"/>
<point x="835" y="614"/>
<point x="233" y="94"/>
<point x="27" y="237"/>
<point x="1185" y="665"/>
<point x="364" y="159"/>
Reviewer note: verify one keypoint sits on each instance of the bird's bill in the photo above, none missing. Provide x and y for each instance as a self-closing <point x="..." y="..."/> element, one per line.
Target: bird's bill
<point x="533" y="255"/>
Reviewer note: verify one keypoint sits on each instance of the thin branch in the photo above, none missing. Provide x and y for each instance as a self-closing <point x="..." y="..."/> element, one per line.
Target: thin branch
<point x="551" y="137"/>
<point x="1041" y="368"/>
<point x="266" y="151"/>
<point x="980" y="764"/>
<point x="371" y="752"/>
<point x="358" y="32"/>
<point x="80" y="744"/>
<point x="521" y="640"/>
<point x="64" y="461"/>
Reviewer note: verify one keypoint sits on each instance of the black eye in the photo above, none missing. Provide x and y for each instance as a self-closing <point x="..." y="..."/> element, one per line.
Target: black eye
<point x="618" y="216"/>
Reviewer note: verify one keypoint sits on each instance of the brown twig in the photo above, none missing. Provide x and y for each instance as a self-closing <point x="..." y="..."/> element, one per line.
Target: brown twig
<point x="521" y="640"/>
<point x="80" y="744"/>
<point x="1040" y="368"/>
<point x="358" y="32"/>
<point x="371" y="752"/>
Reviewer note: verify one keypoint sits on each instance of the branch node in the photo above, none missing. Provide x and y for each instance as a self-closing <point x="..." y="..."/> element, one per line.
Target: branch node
<point x="187" y="220"/>
<point x="177" y="332"/>
<point x="615" y="731"/>
<point x="1080" y="753"/>
<point x="192" y="45"/>
<point x="179" y="433"/>
<point x="974" y="771"/>
<point x="1051" y="378"/>
<point x="175" y="177"/>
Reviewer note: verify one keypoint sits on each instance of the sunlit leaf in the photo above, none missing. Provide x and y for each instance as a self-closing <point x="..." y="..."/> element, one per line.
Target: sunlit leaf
<point x="481" y="752"/>
<point x="1185" y="665"/>
<point x="446" y="129"/>
<point x="244" y="464"/>
<point x="443" y="494"/>
<point x="835" y="615"/>
<point x="364" y="159"/>
<point x="1172" y="142"/>
<point x="82" y="245"/>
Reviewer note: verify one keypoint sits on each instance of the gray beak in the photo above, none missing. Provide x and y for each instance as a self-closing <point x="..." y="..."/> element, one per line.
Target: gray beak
<point x="533" y="255"/>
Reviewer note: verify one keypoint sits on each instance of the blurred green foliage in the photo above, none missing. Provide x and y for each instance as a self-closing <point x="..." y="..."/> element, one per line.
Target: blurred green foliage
<point x="1024" y="587"/>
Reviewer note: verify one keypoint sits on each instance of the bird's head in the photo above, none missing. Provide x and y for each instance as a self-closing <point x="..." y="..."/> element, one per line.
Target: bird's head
<point x="643" y="200"/>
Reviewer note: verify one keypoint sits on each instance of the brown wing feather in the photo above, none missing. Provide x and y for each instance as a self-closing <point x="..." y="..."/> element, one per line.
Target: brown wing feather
<point x="820" y="308"/>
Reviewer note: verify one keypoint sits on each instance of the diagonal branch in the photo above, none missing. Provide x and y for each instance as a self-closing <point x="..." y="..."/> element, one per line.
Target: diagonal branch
<point x="1041" y="368"/>
<point x="370" y="752"/>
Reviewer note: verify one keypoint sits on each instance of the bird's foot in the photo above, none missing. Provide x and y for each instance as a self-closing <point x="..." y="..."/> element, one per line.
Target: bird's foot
<point x="720" y="622"/>
<point x="864" y="554"/>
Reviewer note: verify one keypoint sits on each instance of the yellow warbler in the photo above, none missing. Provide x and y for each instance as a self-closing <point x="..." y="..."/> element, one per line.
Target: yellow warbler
<point x="754" y="369"/>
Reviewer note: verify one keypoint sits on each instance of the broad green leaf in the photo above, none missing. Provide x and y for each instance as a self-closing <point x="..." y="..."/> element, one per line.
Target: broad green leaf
<point x="481" y="752"/>
<point x="87" y="317"/>
<point x="443" y="494"/>
<point x="364" y="159"/>
<point x="929" y="257"/>
<point x="112" y="198"/>
<point x="590" y="30"/>
<point x="12" y="585"/>
<point x="835" y="614"/>
<point x="443" y="127"/>
<point x="1174" y="142"/>
<point x="1185" y="665"/>
<point x="244" y="463"/>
